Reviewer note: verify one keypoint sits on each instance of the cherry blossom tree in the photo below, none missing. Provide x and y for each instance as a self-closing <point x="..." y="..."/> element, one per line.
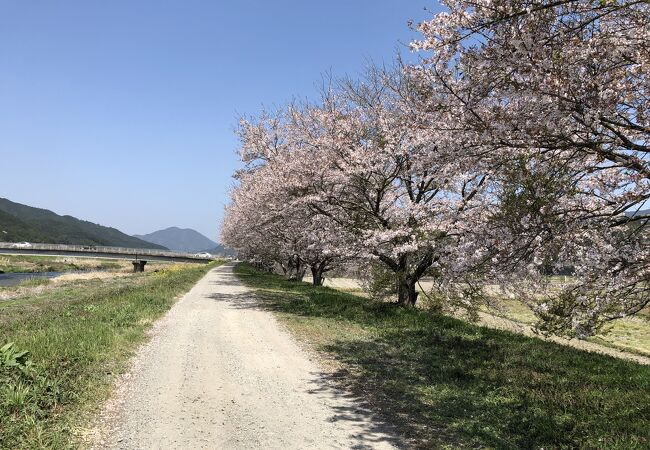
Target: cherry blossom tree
<point x="516" y="149"/>
<point x="380" y="179"/>
<point x="558" y="93"/>
<point x="268" y="233"/>
<point x="264" y="223"/>
<point x="400" y="186"/>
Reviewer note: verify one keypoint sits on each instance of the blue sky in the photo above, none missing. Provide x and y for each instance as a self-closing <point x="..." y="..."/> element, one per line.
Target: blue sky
<point x="122" y="112"/>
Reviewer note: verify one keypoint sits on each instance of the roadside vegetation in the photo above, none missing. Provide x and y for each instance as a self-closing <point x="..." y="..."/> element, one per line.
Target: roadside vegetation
<point x="450" y="384"/>
<point x="629" y="334"/>
<point x="61" y="350"/>
<point x="37" y="264"/>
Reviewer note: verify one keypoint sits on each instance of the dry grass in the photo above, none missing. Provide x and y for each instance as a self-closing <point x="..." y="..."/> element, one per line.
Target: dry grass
<point x="118" y="269"/>
<point x="34" y="264"/>
<point x="89" y="276"/>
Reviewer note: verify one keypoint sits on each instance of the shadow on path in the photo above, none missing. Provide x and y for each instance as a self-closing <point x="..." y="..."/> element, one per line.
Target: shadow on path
<point x="370" y="428"/>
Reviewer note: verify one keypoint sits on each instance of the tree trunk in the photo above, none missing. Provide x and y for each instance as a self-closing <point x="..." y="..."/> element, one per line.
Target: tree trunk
<point x="297" y="269"/>
<point x="317" y="274"/>
<point x="300" y="272"/>
<point x="407" y="277"/>
<point x="288" y="269"/>
<point x="407" y="294"/>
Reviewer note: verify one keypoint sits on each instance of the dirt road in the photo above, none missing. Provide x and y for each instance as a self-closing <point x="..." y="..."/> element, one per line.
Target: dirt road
<point x="220" y="373"/>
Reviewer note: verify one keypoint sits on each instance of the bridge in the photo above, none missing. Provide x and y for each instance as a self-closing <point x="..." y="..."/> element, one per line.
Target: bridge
<point x="140" y="256"/>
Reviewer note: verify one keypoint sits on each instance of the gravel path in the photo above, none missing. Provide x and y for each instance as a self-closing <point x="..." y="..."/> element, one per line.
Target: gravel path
<point x="220" y="373"/>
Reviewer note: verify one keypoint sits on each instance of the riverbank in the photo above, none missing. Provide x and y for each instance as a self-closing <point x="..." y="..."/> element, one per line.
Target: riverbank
<point x="79" y="336"/>
<point x="38" y="264"/>
<point x="27" y="272"/>
<point x="626" y="338"/>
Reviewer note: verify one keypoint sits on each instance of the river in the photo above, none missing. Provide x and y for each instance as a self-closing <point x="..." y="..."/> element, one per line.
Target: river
<point x="12" y="279"/>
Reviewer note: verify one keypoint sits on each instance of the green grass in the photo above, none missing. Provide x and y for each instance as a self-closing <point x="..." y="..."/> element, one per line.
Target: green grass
<point x="78" y="337"/>
<point x="450" y="384"/>
<point x="34" y="264"/>
<point x="630" y="334"/>
<point x="34" y="282"/>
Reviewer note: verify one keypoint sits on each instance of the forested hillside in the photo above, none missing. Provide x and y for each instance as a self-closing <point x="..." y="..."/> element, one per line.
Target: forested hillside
<point x="25" y="223"/>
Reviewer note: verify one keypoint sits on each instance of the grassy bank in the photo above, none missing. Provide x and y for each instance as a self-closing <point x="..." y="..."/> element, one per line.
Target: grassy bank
<point x="78" y="337"/>
<point x="450" y="384"/>
<point x="34" y="264"/>
<point x="631" y="334"/>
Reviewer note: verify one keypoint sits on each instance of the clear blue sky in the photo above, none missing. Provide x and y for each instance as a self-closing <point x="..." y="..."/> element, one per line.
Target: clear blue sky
<point x="122" y="112"/>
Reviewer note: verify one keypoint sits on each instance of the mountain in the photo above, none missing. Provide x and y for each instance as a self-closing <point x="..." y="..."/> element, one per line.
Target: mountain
<point x="20" y="222"/>
<point x="180" y="240"/>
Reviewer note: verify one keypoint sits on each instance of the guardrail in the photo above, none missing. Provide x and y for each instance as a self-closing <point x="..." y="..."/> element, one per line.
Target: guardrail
<point x="137" y="253"/>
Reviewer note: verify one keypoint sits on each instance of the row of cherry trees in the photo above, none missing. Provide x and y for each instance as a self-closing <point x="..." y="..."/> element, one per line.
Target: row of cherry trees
<point x="515" y="149"/>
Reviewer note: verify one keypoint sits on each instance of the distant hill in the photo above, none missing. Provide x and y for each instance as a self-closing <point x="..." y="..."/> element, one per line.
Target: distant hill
<point x="24" y="223"/>
<point x="181" y="240"/>
<point x="634" y="212"/>
<point x="220" y="250"/>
